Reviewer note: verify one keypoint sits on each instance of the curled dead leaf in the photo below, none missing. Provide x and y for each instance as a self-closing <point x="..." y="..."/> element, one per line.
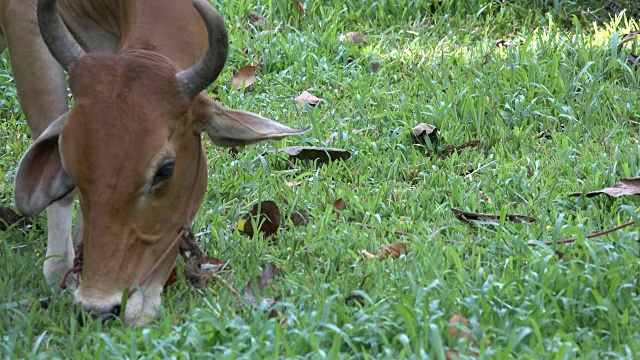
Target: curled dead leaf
<point x="9" y="217"/>
<point x="625" y="187"/>
<point x="199" y="271"/>
<point x="299" y="218"/>
<point x="353" y="36"/>
<point x="257" y="19"/>
<point x="245" y="76"/>
<point x="468" y="216"/>
<point x="340" y="204"/>
<point x="307" y="97"/>
<point x="395" y="250"/>
<point x="256" y="288"/>
<point x="321" y="154"/>
<point x="355" y="300"/>
<point x="544" y="134"/>
<point x="421" y="130"/>
<point x="300" y="7"/>
<point x="267" y="213"/>
<point x="459" y="327"/>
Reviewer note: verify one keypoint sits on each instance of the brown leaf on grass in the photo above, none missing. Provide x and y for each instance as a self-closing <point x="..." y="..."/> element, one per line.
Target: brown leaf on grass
<point x="450" y="149"/>
<point x="467" y="216"/>
<point x="257" y="285"/>
<point x="543" y="134"/>
<point x="629" y="37"/>
<point x="268" y="216"/>
<point x="422" y="129"/>
<point x="353" y="36"/>
<point x="354" y="300"/>
<point x="451" y="354"/>
<point x="245" y="76"/>
<point x="340" y="204"/>
<point x="299" y="218"/>
<point x="198" y="271"/>
<point x="395" y="250"/>
<point x="307" y="97"/>
<point x="321" y="154"/>
<point x="8" y="217"/>
<point x="257" y="19"/>
<point x="630" y="186"/>
<point x="458" y="327"/>
<point x="300" y="7"/>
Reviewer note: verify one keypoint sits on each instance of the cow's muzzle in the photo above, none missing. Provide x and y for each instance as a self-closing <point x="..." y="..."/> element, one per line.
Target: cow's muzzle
<point x="83" y="315"/>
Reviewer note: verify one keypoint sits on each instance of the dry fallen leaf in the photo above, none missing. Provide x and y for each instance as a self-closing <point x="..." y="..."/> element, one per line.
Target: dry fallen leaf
<point x="300" y="7"/>
<point x="355" y="300"/>
<point x="257" y="287"/>
<point x="257" y="19"/>
<point x="422" y="129"/>
<point x="629" y="37"/>
<point x="340" y="204"/>
<point x="321" y="154"/>
<point x="458" y="327"/>
<point x="468" y="216"/>
<point x="268" y="216"/>
<point x="307" y="97"/>
<point x="395" y="250"/>
<point x="299" y="218"/>
<point x="451" y="354"/>
<point x="198" y="271"/>
<point x="630" y="186"/>
<point x="8" y="217"/>
<point x="544" y="134"/>
<point x="245" y="76"/>
<point x="353" y="36"/>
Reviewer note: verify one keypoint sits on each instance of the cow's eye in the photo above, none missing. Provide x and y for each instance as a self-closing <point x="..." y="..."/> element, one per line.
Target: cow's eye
<point x="164" y="172"/>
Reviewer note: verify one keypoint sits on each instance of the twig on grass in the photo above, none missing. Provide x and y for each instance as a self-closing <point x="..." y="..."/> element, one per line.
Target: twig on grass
<point x="589" y="236"/>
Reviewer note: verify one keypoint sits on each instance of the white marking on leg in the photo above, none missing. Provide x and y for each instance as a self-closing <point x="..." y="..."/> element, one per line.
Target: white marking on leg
<point x="60" y="252"/>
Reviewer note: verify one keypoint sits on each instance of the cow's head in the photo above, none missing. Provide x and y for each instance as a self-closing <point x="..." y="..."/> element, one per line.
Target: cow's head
<point x="131" y="147"/>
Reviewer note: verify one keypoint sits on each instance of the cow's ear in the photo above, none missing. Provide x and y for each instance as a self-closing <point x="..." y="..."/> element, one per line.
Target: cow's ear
<point x="228" y="127"/>
<point x="41" y="179"/>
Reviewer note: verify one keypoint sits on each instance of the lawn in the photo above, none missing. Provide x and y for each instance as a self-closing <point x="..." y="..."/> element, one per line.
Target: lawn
<point x="547" y="90"/>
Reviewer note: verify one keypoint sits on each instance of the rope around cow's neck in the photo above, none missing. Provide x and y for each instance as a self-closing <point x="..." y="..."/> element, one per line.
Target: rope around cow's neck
<point x="183" y="233"/>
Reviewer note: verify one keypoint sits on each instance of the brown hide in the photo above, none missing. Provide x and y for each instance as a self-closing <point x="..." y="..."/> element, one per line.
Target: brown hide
<point x="129" y="115"/>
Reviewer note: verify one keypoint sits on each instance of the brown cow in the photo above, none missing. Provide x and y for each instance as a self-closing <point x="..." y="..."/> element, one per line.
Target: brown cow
<point x="131" y="143"/>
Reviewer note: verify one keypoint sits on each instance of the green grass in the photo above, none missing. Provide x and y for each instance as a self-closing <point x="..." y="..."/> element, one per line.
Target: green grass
<point x="560" y="69"/>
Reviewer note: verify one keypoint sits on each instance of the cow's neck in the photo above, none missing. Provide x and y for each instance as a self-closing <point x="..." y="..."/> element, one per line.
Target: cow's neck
<point x="172" y="28"/>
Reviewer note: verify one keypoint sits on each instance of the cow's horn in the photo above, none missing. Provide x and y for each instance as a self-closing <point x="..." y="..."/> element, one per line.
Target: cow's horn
<point x="60" y="43"/>
<point x="200" y="75"/>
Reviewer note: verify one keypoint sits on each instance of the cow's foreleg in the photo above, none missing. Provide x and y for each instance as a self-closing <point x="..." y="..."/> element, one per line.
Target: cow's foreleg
<point x="42" y="93"/>
<point x="60" y="251"/>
